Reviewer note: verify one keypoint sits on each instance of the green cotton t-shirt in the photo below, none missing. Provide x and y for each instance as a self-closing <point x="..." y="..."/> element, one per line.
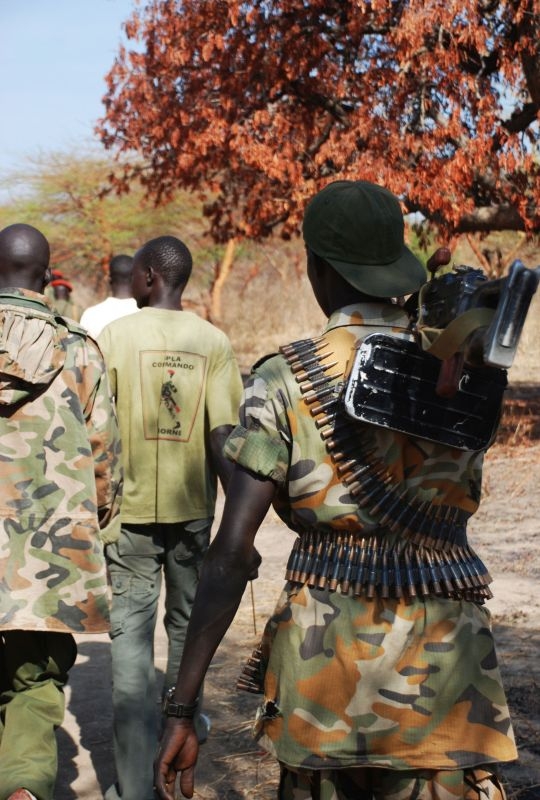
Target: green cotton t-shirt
<point x="175" y="378"/>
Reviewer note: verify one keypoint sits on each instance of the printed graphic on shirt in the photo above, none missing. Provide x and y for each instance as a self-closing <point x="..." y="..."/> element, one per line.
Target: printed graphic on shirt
<point x="172" y="384"/>
<point x="168" y="391"/>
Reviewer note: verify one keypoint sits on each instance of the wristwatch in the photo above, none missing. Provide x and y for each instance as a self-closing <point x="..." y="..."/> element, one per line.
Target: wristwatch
<point x="180" y="710"/>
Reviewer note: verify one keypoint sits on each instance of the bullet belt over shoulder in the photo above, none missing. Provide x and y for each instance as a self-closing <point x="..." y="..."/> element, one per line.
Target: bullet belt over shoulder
<point x="430" y="557"/>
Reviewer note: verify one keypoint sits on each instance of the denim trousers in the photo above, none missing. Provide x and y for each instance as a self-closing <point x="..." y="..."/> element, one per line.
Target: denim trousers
<point x="143" y="556"/>
<point x="34" y="669"/>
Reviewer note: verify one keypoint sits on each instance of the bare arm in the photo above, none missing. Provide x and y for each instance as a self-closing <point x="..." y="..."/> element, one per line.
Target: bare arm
<point x="228" y="564"/>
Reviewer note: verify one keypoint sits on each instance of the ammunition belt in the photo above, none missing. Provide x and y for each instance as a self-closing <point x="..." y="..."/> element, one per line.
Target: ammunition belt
<point x="368" y="566"/>
<point x="440" y="559"/>
<point x="251" y="679"/>
<point x="371" y="565"/>
<point x="431" y="557"/>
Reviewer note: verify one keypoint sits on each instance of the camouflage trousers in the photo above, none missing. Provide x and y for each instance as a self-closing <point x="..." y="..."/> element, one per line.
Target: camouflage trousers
<point x="384" y="784"/>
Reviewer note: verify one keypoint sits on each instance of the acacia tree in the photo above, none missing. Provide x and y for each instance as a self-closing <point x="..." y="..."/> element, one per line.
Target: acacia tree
<point x="66" y="196"/>
<point x="259" y="104"/>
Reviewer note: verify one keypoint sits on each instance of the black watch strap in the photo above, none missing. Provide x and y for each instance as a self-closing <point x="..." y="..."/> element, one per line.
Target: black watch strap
<point x="180" y="710"/>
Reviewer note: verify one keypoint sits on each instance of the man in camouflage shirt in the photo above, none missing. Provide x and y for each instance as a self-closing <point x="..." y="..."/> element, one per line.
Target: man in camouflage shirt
<point x="378" y="667"/>
<point x="60" y="482"/>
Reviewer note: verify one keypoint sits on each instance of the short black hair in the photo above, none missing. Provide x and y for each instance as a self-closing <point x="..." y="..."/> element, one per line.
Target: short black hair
<point x="120" y="269"/>
<point x="23" y="249"/>
<point x="170" y="257"/>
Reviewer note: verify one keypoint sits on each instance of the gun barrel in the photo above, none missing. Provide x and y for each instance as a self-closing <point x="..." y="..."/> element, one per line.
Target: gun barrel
<point x="502" y="337"/>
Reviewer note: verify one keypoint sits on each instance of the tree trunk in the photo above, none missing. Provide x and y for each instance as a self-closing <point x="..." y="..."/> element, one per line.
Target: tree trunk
<point x="223" y="271"/>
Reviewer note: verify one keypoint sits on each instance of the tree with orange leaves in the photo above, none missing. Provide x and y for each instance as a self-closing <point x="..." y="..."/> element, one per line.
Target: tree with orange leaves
<point x="257" y="105"/>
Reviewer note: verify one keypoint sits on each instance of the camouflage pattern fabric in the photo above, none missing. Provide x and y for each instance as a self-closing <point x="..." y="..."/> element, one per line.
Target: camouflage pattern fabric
<point x="60" y="473"/>
<point x="382" y="784"/>
<point x="277" y="439"/>
<point x="409" y="683"/>
<point x="387" y="683"/>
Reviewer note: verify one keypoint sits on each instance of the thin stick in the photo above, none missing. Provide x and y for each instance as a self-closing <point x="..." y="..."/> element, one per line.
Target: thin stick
<point x="253" y="608"/>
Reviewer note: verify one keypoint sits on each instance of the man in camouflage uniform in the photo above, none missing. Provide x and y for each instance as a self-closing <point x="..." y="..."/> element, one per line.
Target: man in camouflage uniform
<point x="62" y="292"/>
<point x="378" y="666"/>
<point x="60" y="482"/>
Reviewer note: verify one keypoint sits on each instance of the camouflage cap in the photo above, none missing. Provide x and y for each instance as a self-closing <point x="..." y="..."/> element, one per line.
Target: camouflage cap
<point x="358" y="227"/>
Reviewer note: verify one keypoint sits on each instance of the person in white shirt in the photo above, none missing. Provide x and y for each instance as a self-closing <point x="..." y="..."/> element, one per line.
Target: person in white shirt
<point x="119" y="304"/>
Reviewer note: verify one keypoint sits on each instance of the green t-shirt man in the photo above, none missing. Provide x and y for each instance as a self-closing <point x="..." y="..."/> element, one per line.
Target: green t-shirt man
<point x="175" y="378"/>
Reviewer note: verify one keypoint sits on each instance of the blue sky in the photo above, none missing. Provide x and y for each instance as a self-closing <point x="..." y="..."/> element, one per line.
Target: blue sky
<point x="54" y="55"/>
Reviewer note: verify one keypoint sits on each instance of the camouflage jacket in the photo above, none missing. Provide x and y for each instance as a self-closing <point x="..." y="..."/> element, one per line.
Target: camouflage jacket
<point x="352" y="672"/>
<point x="278" y="437"/>
<point x="60" y="473"/>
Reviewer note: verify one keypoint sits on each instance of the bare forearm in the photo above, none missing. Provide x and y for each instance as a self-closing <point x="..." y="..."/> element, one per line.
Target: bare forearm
<point x="230" y="562"/>
<point x="218" y="596"/>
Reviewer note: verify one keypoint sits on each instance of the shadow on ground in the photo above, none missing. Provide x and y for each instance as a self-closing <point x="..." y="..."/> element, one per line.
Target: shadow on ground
<point x="518" y="650"/>
<point x="89" y="704"/>
<point x="85" y="751"/>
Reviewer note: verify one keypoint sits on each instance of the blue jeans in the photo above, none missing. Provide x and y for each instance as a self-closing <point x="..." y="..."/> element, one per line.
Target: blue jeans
<point x="137" y="562"/>
<point x="34" y="669"/>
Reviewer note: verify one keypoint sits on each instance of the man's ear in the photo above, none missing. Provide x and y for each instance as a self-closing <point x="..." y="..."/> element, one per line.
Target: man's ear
<point x="150" y="276"/>
<point x="47" y="277"/>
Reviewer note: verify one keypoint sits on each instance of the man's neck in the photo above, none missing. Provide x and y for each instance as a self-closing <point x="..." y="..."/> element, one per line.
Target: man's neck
<point x="31" y="286"/>
<point x="171" y="301"/>
<point x="121" y="292"/>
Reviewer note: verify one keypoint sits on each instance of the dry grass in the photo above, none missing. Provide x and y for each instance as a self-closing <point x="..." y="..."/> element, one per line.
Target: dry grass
<point x="268" y="301"/>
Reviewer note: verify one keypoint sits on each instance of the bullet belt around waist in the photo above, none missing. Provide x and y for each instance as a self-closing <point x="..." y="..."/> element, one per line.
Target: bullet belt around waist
<point x="371" y="567"/>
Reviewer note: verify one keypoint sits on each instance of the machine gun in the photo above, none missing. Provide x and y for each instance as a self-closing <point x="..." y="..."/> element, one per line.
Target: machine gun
<point x="463" y="318"/>
<point x="448" y="385"/>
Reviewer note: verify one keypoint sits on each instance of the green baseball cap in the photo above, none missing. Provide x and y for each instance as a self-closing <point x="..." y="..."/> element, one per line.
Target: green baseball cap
<point x="358" y="227"/>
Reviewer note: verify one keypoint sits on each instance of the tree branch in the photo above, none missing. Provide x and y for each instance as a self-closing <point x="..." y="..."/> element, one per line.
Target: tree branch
<point x="491" y="218"/>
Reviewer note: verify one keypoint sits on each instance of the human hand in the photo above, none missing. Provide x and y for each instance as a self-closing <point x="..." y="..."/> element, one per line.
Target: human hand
<point x="178" y="752"/>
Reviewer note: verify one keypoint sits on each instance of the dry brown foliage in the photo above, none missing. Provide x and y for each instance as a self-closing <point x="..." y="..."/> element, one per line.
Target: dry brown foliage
<point x="256" y="105"/>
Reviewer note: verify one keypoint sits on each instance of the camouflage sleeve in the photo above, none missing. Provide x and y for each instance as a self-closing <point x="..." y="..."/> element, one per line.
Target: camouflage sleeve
<point x="104" y="437"/>
<point x="261" y="441"/>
